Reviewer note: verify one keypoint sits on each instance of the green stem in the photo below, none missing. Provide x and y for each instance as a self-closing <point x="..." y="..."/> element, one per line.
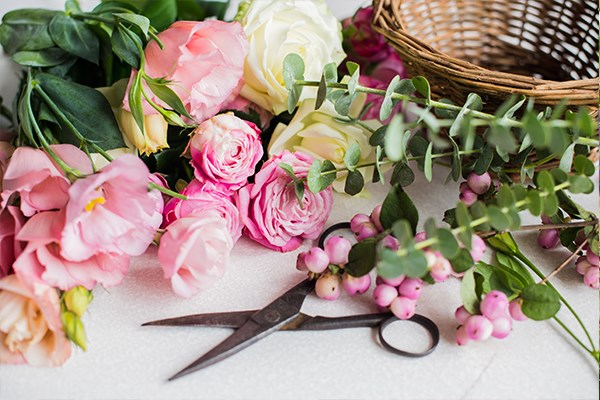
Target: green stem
<point x="539" y="273"/>
<point x="532" y="165"/>
<point x="92" y="17"/>
<point x="593" y="353"/>
<point x="166" y="191"/>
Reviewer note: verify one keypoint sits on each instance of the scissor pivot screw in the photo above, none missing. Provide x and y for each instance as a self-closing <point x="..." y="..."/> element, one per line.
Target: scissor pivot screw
<point x="272" y="316"/>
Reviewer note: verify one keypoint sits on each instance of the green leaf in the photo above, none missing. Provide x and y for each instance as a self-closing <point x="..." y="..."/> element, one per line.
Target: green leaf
<point x="161" y="13"/>
<point x="448" y="245"/>
<point x="473" y="102"/>
<point x="397" y="206"/>
<point x="462" y="261"/>
<point x="566" y="160"/>
<point x="135" y="102"/>
<point x="484" y="160"/>
<point x="509" y="262"/>
<point x="540" y="302"/>
<point x="73" y="328"/>
<point x="388" y="103"/>
<point x="584" y="166"/>
<point x="42" y="58"/>
<point x="580" y="184"/>
<point x="499" y="220"/>
<point x="354" y="183"/>
<point x="468" y="292"/>
<point x="318" y="179"/>
<point x="26" y="30"/>
<point x="390" y="265"/>
<point x="402" y="175"/>
<point x="415" y="264"/>
<point x="344" y="102"/>
<point x="73" y="36"/>
<point x="321" y="93"/>
<point x="354" y="70"/>
<point x="533" y="126"/>
<point x="293" y="70"/>
<point x="167" y="95"/>
<point x="361" y="258"/>
<point x="534" y="202"/>
<point x="396" y="139"/>
<point x="422" y="86"/>
<point x="352" y="156"/>
<point x="404" y="233"/>
<point x="503" y="242"/>
<point x="505" y="197"/>
<point x="299" y="190"/>
<point x="287" y="168"/>
<point x="428" y="165"/>
<point x="138" y="20"/>
<point x="86" y="108"/>
<point x="124" y="45"/>
<point x="378" y="137"/>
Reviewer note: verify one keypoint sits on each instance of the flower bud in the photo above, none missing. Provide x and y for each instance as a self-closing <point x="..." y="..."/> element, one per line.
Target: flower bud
<point x="154" y="137"/>
<point x="479" y="184"/>
<point x="338" y="248"/>
<point x="74" y="328"/>
<point x="77" y="300"/>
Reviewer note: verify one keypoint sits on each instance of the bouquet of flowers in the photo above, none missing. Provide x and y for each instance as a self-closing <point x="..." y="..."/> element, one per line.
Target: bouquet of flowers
<point x="145" y="123"/>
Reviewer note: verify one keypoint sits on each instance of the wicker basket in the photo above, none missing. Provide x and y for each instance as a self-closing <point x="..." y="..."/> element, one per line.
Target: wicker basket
<point x="545" y="49"/>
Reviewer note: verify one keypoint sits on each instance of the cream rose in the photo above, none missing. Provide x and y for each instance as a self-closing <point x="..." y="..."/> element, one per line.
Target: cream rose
<point x="277" y="28"/>
<point x="318" y="134"/>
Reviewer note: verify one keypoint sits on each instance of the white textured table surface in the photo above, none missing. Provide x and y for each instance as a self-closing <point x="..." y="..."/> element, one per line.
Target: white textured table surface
<point x="126" y="361"/>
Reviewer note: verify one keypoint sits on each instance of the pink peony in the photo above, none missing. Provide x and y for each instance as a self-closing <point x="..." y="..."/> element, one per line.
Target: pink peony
<point x="30" y="326"/>
<point x="205" y="61"/>
<point x="225" y="150"/>
<point x="11" y="221"/>
<point x="6" y="150"/>
<point x="111" y="211"/>
<point x="361" y="40"/>
<point x="38" y="181"/>
<point x="42" y="259"/>
<point x="270" y="209"/>
<point x="203" y="197"/>
<point x="194" y="252"/>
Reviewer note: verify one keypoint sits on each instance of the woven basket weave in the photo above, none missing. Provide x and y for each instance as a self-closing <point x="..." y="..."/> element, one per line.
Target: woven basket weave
<point x="544" y="49"/>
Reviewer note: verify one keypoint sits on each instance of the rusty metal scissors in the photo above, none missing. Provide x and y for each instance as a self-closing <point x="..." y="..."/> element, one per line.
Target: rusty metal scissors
<point x="284" y="314"/>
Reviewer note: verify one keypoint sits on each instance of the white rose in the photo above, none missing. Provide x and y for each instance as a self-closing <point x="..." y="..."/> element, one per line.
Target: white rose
<point x="276" y="28"/>
<point x="318" y="134"/>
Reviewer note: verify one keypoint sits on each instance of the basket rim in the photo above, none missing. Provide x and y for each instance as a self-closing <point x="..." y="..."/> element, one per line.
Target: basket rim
<point x="578" y="88"/>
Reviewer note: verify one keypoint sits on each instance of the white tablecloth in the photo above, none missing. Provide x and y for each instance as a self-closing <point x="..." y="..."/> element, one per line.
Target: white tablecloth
<point x="127" y="361"/>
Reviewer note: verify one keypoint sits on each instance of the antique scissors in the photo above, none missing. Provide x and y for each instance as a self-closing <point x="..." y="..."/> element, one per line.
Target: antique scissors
<point x="284" y="314"/>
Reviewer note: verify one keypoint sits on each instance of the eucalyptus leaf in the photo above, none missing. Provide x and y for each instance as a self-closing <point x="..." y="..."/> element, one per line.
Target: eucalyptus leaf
<point x="352" y="156"/>
<point x="402" y="175"/>
<point x="320" y="175"/>
<point x="354" y="183"/>
<point x="462" y="261"/>
<point x="422" y="86"/>
<point x="428" y="164"/>
<point x="448" y="245"/>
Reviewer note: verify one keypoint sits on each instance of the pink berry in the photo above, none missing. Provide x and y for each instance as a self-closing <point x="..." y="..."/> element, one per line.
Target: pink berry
<point x="420" y="236"/>
<point x="478" y="327"/>
<point x="411" y="288"/>
<point x="358" y="220"/>
<point x="337" y="248"/>
<point x="403" y="307"/>
<point x="462" y="337"/>
<point x="479" y="184"/>
<point x="300" y="264"/>
<point x="328" y="287"/>
<point x="383" y="295"/>
<point x="375" y="217"/>
<point x="592" y="258"/>
<point x="477" y="248"/>
<point x="390" y="242"/>
<point x="353" y="285"/>
<point x="366" y="231"/>
<point x="316" y="260"/>
<point x="494" y="304"/>
<point x="514" y="308"/>
<point x="582" y="265"/>
<point x="546" y="220"/>
<point x="591" y="277"/>
<point x="468" y="197"/>
<point x="394" y="281"/>
<point x="441" y="270"/>
<point x="464" y="186"/>
<point x="548" y="238"/>
<point x="461" y="314"/>
<point x="502" y="327"/>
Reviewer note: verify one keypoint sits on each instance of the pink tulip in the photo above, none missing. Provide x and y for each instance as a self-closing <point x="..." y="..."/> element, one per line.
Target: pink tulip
<point x="205" y="61"/>
<point x="225" y="150"/>
<point x="194" y="252"/>
<point x="42" y="259"/>
<point x="30" y="326"/>
<point x="110" y="212"/>
<point x="270" y="210"/>
<point x="203" y="197"/>
<point x="11" y="221"/>
<point x="40" y="184"/>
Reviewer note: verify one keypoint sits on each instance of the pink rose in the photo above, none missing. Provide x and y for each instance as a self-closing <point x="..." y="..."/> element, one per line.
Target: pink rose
<point x="30" y="328"/>
<point x="42" y="260"/>
<point x="194" y="252"/>
<point x="111" y="211"/>
<point x="203" y="197"/>
<point x="360" y="38"/>
<point x="250" y="108"/>
<point x="38" y="181"/>
<point x="6" y="150"/>
<point x="225" y="150"/>
<point x="205" y="61"/>
<point x="270" y="209"/>
<point x="11" y="221"/>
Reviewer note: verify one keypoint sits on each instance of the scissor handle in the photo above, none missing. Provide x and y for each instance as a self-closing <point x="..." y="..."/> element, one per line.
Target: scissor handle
<point x="425" y="322"/>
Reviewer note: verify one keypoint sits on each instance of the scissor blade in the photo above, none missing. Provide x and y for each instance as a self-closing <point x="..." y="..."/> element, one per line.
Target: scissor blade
<point x="262" y="323"/>
<point x="233" y="319"/>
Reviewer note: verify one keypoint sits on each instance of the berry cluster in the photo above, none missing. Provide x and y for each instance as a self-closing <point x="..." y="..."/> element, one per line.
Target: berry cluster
<point x="475" y="186"/>
<point x="588" y="266"/>
<point x="399" y="294"/>
<point x="496" y="317"/>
